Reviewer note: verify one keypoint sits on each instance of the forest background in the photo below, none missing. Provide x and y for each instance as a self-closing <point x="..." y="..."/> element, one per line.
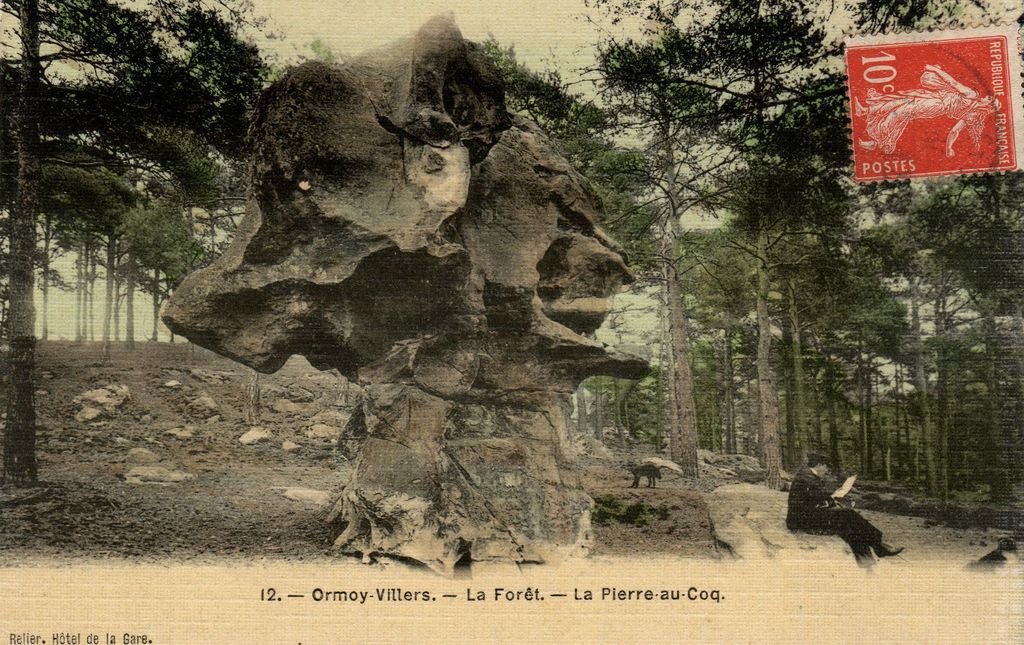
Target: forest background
<point x="783" y="307"/>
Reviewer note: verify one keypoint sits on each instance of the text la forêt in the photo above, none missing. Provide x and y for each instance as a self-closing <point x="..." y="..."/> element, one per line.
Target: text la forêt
<point x="500" y="594"/>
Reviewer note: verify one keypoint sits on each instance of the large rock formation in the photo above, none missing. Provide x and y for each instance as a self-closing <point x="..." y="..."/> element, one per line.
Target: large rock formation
<point x="404" y="229"/>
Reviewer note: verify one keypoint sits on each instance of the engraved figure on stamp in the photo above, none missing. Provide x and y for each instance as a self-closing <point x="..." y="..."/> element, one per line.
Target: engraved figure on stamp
<point x="939" y="95"/>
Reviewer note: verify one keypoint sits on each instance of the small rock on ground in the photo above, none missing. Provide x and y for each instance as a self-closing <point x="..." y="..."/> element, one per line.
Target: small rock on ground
<point x="111" y="396"/>
<point x="204" y="402"/>
<point x="254" y="435"/>
<point x="323" y="431"/>
<point x="87" y="414"/>
<point x="156" y="475"/>
<point x="285" y="406"/>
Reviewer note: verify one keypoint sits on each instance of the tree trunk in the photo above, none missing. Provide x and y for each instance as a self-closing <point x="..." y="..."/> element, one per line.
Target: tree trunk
<point x="880" y="437"/>
<point x="864" y="405"/>
<point x="108" y="305"/>
<point x="767" y="398"/>
<point x="789" y="434"/>
<point x="80" y="295"/>
<point x="86" y="289"/>
<point x="869" y="412"/>
<point x="213" y="232"/>
<point x="902" y="429"/>
<point x="47" y="235"/>
<point x="616" y="409"/>
<point x="752" y="436"/>
<point x="253" y="400"/>
<point x="833" y="417"/>
<point x="802" y="432"/>
<point x="908" y="444"/>
<point x="684" y="438"/>
<point x="861" y="406"/>
<point x="667" y="361"/>
<point x="941" y="404"/>
<point x="998" y="450"/>
<point x="129" y="302"/>
<point x="117" y="306"/>
<point x="20" y="467"/>
<point x="156" y="305"/>
<point x="941" y="399"/>
<point x="627" y="426"/>
<point x="1019" y="319"/>
<point x="726" y="393"/>
<point x="917" y="459"/>
<point x="582" y="419"/>
<point x="921" y="385"/>
<point x="888" y="452"/>
<point x="819" y="437"/>
<point x="92" y="297"/>
<point x="684" y="447"/>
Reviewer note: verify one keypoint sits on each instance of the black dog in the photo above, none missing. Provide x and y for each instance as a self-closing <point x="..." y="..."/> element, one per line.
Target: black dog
<point x="650" y="471"/>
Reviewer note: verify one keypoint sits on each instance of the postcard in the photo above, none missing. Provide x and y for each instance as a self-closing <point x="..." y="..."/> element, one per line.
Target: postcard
<point x="590" y="321"/>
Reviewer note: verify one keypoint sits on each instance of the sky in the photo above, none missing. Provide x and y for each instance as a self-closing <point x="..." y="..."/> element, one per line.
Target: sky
<point x="543" y="31"/>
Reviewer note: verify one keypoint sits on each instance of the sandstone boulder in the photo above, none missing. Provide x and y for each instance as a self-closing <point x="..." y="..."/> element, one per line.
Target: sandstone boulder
<point x="203" y="405"/>
<point x="745" y="468"/>
<point x="110" y="397"/>
<point x="254" y="435"/>
<point x="406" y="231"/>
<point x="323" y="431"/>
<point x="87" y="414"/>
<point x="287" y="406"/>
<point x="156" y="475"/>
<point x="750" y="521"/>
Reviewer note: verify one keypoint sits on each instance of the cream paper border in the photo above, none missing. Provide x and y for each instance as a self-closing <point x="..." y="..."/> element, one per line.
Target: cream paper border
<point x="795" y="601"/>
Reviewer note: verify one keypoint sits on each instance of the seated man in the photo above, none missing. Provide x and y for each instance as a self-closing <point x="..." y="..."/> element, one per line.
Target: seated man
<point x="813" y="508"/>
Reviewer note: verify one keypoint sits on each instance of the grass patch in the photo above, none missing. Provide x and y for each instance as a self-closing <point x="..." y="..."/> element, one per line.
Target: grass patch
<point x="608" y="509"/>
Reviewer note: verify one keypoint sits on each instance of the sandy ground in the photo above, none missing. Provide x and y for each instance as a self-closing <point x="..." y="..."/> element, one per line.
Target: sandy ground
<point x="234" y="505"/>
<point x="234" y="508"/>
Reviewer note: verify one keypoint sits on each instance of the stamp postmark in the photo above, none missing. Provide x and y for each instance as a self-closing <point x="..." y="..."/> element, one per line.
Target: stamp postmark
<point x="935" y="103"/>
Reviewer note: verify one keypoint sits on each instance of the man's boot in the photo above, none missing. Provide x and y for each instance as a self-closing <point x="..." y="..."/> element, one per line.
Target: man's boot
<point x="884" y="550"/>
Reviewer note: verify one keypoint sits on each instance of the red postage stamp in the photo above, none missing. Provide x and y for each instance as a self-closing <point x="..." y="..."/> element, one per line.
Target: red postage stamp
<point x="936" y="103"/>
